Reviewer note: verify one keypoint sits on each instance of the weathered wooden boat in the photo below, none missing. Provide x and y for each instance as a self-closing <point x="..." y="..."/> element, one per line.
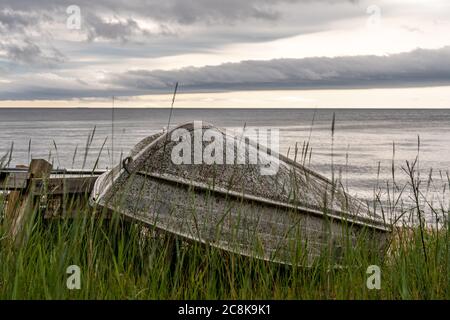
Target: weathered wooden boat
<point x="292" y="216"/>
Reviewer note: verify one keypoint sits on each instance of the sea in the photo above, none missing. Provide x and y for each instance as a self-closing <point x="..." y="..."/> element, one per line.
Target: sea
<point x="367" y="149"/>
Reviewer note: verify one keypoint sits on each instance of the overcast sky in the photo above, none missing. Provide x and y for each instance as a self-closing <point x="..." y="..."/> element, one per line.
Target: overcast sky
<point x="137" y="50"/>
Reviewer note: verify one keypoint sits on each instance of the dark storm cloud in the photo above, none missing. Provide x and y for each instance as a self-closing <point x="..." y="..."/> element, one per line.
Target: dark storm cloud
<point x="419" y="67"/>
<point x="416" y="68"/>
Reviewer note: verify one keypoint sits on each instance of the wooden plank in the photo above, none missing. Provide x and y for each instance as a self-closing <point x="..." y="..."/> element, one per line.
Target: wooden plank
<point x="72" y="183"/>
<point x="14" y="181"/>
<point x="59" y="186"/>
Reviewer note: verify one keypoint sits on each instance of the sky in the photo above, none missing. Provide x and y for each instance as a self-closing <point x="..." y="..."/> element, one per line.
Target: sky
<point x="233" y="53"/>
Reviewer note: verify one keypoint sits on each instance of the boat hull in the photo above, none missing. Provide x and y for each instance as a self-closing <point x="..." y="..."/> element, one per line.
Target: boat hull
<point x="246" y="223"/>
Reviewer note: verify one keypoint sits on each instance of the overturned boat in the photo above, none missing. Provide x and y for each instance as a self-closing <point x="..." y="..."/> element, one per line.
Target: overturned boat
<point x="234" y="193"/>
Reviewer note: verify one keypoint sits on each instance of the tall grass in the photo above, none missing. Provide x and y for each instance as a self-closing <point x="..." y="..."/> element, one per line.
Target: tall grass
<point x="120" y="259"/>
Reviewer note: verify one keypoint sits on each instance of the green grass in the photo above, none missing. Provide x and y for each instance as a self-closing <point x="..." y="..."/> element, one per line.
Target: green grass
<point x="124" y="260"/>
<point x="118" y="261"/>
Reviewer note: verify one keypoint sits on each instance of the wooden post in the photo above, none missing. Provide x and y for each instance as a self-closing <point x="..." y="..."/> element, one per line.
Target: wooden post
<point x="22" y="204"/>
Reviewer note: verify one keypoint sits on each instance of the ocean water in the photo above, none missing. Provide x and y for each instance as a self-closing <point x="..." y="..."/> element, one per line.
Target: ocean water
<point x="362" y="148"/>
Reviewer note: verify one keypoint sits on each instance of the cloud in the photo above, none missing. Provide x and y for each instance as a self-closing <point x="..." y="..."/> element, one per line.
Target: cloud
<point x="417" y="68"/>
<point x="118" y="20"/>
<point x="28" y="52"/>
<point x="11" y="21"/>
<point x="116" y="28"/>
<point x="35" y="33"/>
<point x="30" y="30"/>
<point x="18" y="43"/>
<point x="121" y="44"/>
<point x="49" y="86"/>
<point x="99" y="28"/>
<point x="181" y="11"/>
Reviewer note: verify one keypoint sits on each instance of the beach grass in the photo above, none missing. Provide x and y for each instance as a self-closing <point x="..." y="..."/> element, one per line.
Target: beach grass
<point x="123" y="260"/>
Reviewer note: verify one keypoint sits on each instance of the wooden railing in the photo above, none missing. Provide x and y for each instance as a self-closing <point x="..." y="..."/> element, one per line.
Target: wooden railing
<point x="38" y="187"/>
